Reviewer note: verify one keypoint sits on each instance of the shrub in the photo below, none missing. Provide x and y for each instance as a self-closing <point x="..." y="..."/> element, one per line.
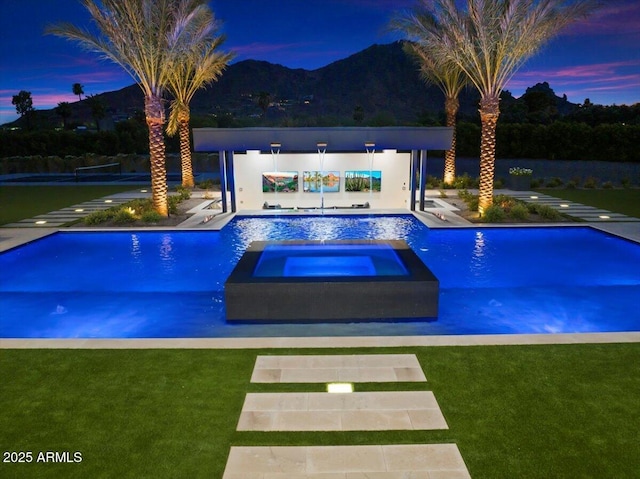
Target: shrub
<point x="555" y="182"/>
<point x="504" y="201"/>
<point x="536" y="183"/>
<point x="183" y="193"/>
<point x="124" y="216"/>
<point x="151" y="216"/>
<point x="206" y="184"/>
<point x="607" y="185"/>
<point x="140" y="205"/>
<point x="548" y="213"/>
<point x="98" y="217"/>
<point x="173" y="202"/>
<point x="464" y="194"/>
<point x="499" y="183"/>
<point x="470" y="199"/>
<point x="571" y="185"/>
<point x="591" y="182"/>
<point x="432" y="182"/>
<point x="464" y="182"/>
<point x="625" y="182"/>
<point x="519" y="212"/>
<point x="494" y="214"/>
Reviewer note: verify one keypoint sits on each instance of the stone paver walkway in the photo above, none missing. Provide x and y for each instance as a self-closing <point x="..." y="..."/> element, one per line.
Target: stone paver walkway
<point x="577" y="210"/>
<point x="74" y="213"/>
<point x="359" y="411"/>
<point x="356" y="411"/>
<point x="345" y="368"/>
<point x="411" y="461"/>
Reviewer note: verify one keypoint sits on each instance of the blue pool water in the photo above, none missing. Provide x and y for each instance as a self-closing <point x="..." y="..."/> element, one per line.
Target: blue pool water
<point x="170" y="284"/>
<point x="328" y="260"/>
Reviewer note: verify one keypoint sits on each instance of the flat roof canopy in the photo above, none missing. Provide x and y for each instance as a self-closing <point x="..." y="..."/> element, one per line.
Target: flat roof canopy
<point x="336" y="138"/>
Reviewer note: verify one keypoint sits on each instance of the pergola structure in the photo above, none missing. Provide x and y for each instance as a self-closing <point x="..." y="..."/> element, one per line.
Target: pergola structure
<point x="417" y="140"/>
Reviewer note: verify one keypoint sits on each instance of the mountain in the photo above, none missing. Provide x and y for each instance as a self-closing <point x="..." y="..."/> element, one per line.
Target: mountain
<point x="381" y="82"/>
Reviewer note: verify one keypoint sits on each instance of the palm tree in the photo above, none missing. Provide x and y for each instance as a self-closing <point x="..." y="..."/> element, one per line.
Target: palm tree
<point x="98" y="109"/>
<point x="490" y="41"/>
<point x="64" y="110"/>
<point x="422" y="28"/>
<point x="195" y="68"/>
<point x="142" y="36"/>
<point x="78" y="89"/>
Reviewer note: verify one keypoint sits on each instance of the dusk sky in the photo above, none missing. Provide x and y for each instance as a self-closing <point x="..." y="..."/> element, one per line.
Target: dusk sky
<point x="597" y="59"/>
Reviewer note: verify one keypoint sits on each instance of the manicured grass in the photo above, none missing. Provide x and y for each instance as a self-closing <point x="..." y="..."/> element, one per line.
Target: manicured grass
<point x="624" y="201"/>
<point x="21" y="202"/>
<point x="514" y="411"/>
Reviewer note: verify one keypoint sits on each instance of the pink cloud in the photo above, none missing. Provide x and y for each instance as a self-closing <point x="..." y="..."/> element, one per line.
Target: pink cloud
<point x="616" y="18"/>
<point x="580" y="71"/>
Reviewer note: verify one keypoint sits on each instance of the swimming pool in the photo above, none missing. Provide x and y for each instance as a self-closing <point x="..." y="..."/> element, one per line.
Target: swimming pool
<point x="170" y="284"/>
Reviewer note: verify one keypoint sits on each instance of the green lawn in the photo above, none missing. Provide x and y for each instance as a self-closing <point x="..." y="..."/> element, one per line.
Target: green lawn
<point x="21" y="202"/>
<point x="553" y="411"/>
<point x="626" y="202"/>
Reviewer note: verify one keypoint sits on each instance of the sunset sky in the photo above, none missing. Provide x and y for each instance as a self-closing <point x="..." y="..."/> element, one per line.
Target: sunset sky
<point x="597" y="59"/>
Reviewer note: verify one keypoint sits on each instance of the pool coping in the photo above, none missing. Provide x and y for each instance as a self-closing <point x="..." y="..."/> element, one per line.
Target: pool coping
<point x="325" y="341"/>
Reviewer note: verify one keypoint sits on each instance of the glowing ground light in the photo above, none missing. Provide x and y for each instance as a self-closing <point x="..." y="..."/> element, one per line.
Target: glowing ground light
<point x="79" y="210"/>
<point x="533" y="197"/>
<point x="564" y="206"/>
<point x="143" y="191"/>
<point x="340" y="388"/>
<point x="604" y="217"/>
<point x="108" y="201"/>
<point x="41" y="222"/>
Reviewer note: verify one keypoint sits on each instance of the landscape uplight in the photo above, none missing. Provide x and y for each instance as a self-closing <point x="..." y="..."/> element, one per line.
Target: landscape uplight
<point x="340" y="388"/>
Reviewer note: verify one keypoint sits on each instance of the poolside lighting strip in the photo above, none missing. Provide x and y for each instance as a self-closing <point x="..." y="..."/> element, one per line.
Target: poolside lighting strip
<point x="339" y="388"/>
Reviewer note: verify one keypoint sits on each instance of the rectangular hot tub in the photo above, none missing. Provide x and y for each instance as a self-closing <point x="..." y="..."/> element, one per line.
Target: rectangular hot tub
<point x="330" y="280"/>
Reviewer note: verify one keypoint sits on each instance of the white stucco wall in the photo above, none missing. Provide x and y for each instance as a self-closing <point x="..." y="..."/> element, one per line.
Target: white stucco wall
<point x="248" y="169"/>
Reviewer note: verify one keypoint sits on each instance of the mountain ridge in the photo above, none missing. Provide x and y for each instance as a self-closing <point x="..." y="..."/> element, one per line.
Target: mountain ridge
<point x="378" y="85"/>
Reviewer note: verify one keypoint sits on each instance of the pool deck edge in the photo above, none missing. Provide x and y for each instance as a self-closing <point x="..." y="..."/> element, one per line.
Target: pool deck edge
<point x="324" y="342"/>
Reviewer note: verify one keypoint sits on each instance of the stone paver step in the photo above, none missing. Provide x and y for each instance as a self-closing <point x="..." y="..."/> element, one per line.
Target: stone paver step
<point x="331" y="368"/>
<point x="360" y="411"/>
<point x="409" y="461"/>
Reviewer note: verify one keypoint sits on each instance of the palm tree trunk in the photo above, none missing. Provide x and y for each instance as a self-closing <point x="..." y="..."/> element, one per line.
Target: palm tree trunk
<point x="185" y="153"/>
<point x="489" y="113"/>
<point x="451" y="106"/>
<point x="154" y="111"/>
